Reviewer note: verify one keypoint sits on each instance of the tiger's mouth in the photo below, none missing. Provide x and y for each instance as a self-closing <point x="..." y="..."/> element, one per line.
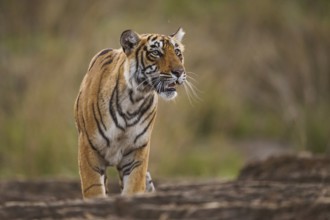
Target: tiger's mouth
<point x="171" y="87"/>
<point x="167" y="90"/>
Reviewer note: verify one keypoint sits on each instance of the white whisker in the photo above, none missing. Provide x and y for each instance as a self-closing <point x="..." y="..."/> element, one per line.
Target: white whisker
<point x="191" y="78"/>
<point x="141" y="84"/>
<point x="188" y="93"/>
<point x="192" y="73"/>
<point x="192" y="92"/>
<point x="195" y="87"/>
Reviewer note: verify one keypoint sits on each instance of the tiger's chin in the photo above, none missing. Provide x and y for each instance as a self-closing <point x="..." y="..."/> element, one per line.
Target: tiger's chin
<point x="169" y="92"/>
<point x="168" y="95"/>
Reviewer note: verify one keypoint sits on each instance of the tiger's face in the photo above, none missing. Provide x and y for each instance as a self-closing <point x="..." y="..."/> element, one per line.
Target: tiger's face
<point x="155" y="62"/>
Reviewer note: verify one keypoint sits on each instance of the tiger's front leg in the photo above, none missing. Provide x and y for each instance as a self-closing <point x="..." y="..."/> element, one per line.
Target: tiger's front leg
<point x="91" y="170"/>
<point x="133" y="171"/>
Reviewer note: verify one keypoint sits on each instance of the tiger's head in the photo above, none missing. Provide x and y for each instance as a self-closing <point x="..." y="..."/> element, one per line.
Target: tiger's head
<point x="155" y="62"/>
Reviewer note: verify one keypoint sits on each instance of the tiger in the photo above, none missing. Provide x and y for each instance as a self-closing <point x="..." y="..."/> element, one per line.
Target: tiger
<point x="116" y="107"/>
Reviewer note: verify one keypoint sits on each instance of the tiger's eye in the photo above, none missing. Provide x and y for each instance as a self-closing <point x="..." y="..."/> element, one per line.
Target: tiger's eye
<point x="156" y="53"/>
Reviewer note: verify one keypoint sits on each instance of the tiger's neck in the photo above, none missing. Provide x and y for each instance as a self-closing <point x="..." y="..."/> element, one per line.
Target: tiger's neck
<point x="133" y="97"/>
<point x="136" y="91"/>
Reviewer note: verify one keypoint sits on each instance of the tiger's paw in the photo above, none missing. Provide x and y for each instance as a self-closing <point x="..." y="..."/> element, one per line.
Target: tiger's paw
<point x="149" y="184"/>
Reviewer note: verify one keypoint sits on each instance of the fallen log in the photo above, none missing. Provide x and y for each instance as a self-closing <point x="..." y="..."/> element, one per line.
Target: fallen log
<point x="249" y="197"/>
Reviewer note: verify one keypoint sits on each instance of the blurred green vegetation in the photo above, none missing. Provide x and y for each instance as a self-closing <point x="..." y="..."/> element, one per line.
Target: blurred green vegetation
<point x="262" y="67"/>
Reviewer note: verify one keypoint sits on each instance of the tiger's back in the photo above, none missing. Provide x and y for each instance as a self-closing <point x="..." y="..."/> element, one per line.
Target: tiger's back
<point x="116" y="108"/>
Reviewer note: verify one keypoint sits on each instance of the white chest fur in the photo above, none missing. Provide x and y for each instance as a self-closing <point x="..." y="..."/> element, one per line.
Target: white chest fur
<point x="130" y="130"/>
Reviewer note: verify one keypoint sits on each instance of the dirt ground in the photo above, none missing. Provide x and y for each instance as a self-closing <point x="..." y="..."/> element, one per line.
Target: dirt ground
<point x="285" y="187"/>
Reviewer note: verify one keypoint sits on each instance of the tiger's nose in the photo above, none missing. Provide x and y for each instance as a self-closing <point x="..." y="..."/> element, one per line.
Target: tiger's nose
<point x="180" y="76"/>
<point x="177" y="72"/>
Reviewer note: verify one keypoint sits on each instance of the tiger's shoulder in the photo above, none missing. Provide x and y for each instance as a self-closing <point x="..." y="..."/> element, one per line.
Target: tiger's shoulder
<point x="104" y="58"/>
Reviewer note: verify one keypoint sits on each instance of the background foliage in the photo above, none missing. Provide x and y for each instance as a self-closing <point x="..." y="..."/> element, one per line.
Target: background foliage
<point x="262" y="68"/>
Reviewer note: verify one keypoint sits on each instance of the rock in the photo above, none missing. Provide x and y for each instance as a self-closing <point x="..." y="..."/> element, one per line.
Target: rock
<point x="305" y="168"/>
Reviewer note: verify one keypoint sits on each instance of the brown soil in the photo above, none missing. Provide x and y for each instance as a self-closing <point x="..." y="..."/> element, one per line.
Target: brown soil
<point x="286" y="187"/>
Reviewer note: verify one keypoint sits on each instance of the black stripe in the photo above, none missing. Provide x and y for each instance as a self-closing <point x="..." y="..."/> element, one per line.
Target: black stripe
<point x="125" y="166"/>
<point x="107" y="57"/>
<point x="142" y="60"/>
<point x="100" y="54"/>
<point x="139" y="80"/>
<point x="120" y="111"/>
<point x="142" y="146"/>
<point x="99" y="111"/>
<point x="131" y="96"/>
<point x="128" y="170"/>
<point x="142" y="107"/>
<point x="150" y="58"/>
<point x="106" y="63"/>
<point x="148" y="116"/>
<point x="137" y="57"/>
<point x="91" y="186"/>
<point x="104" y="51"/>
<point x="97" y="101"/>
<point x="111" y="109"/>
<point x="139" y="99"/>
<point x="149" y="66"/>
<point x="134" y="149"/>
<point x="145" y="129"/>
<point x="95" y="168"/>
<point x="154" y="38"/>
<point x="116" y="57"/>
<point x="100" y="129"/>
<point x="89" y="140"/>
<point x="141" y="111"/>
<point x="157" y="43"/>
<point x="154" y="46"/>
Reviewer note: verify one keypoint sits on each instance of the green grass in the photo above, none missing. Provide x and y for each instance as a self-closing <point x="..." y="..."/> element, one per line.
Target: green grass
<point x="206" y="158"/>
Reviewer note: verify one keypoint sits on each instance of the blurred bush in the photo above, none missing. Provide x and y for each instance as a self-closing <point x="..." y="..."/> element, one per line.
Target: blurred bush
<point x="262" y="68"/>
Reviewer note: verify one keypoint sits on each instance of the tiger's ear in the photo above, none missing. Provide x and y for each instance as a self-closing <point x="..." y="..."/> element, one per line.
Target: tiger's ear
<point x="128" y="40"/>
<point x="178" y="35"/>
